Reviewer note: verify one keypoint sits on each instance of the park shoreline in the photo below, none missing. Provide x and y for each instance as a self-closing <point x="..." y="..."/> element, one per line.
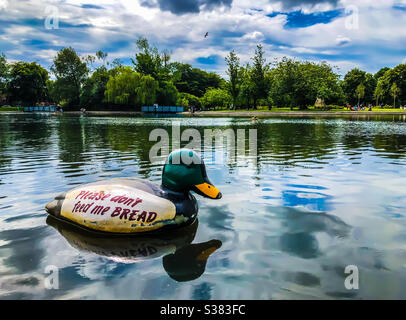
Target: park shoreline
<point x="242" y="114"/>
<point x="267" y="114"/>
<point x="249" y="114"/>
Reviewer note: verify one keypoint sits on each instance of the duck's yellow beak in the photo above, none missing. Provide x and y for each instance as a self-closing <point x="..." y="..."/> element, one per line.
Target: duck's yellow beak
<point x="208" y="190"/>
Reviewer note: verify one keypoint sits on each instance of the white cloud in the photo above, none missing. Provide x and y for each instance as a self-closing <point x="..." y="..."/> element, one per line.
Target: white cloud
<point x="303" y="50"/>
<point x="3" y="4"/>
<point x="46" y="54"/>
<point x="340" y="40"/>
<point x="256" y="36"/>
<point x="115" y="25"/>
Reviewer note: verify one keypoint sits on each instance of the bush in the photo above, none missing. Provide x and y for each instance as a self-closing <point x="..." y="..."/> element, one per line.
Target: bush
<point x="216" y="98"/>
<point x="187" y="99"/>
<point x="9" y="108"/>
<point x="264" y="107"/>
<point x="265" y="102"/>
<point x="329" y="107"/>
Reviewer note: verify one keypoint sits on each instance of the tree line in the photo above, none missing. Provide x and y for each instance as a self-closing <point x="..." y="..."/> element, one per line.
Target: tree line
<point x="94" y="81"/>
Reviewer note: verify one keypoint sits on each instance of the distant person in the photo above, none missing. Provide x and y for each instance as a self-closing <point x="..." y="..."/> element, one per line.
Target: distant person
<point x="370" y="107"/>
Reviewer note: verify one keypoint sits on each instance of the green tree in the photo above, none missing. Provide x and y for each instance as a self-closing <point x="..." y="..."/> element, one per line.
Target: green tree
<point x="299" y="84"/>
<point x="92" y="91"/>
<point x="70" y="73"/>
<point x="370" y="85"/>
<point x="4" y="73"/>
<point x="380" y="73"/>
<point x="193" y="80"/>
<point x="394" y="92"/>
<point x="89" y="60"/>
<point x="360" y="92"/>
<point x="247" y="86"/>
<point x="353" y="79"/>
<point x="167" y="94"/>
<point x="130" y="88"/>
<point x="233" y="71"/>
<point x="260" y="86"/>
<point x="53" y="92"/>
<point x="28" y="83"/>
<point x="94" y="87"/>
<point x="165" y="58"/>
<point x="317" y="80"/>
<point x="216" y="98"/>
<point x="379" y="92"/>
<point x="284" y="78"/>
<point x="396" y="75"/>
<point x="120" y="88"/>
<point x="184" y="102"/>
<point x="146" y="90"/>
<point x="102" y="56"/>
<point x="147" y="60"/>
<point x="186" y="99"/>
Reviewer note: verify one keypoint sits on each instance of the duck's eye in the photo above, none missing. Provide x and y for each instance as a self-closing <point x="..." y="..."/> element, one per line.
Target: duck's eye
<point x="208" y="187"/>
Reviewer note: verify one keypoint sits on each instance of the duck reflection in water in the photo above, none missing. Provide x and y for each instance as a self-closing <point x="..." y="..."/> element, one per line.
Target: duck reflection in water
<point x="182" y="260"/>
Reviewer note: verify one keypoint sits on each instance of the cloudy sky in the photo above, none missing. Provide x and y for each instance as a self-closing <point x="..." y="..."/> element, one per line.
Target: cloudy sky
<point x="368" y="34"/>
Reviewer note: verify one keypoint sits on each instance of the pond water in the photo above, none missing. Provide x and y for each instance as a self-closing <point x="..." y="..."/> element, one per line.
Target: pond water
<point x="321" y="194"/>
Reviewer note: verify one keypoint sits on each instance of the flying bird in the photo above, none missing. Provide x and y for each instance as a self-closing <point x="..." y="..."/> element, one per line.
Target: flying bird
<point x="206" y="35"/>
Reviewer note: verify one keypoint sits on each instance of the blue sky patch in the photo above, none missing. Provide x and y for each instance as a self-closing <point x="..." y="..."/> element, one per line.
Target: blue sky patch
<point x="63" y="24"/>
<point x="116" y="46"/>
<point x="91" y="6"/>
<point x="35" y="42"/>
<point x="210" y="60"/>
<point x="298" y="19"/>
<point x="399" y="7"/>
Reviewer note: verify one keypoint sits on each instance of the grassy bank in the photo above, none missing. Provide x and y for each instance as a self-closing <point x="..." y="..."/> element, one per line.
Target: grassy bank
<point x="310" y="109"/>
<point x="9" y="109"/>
<point x="278" y="112"/>
<point x="260" y="112"/>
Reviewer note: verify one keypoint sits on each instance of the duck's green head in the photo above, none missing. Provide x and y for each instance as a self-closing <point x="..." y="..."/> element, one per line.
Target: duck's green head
<point x="185" y="171"/>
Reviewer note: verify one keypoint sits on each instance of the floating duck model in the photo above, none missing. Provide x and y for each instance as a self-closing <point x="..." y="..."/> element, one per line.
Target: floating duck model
<point x="129" y="205"/>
